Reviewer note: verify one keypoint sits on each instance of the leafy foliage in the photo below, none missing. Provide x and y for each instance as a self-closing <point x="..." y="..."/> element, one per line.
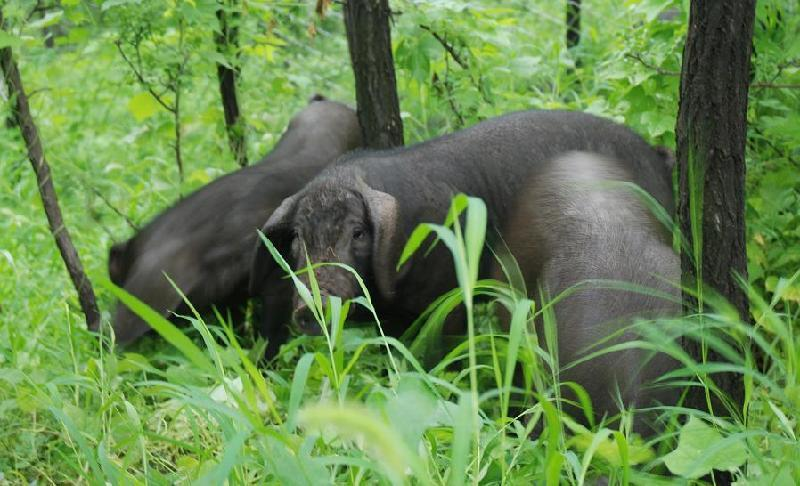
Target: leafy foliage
<point x="356" y="407"/>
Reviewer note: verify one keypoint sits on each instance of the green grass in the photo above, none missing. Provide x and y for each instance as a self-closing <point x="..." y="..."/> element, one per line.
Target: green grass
<point x="331" y="409"/>
<point x="195" y="404"/>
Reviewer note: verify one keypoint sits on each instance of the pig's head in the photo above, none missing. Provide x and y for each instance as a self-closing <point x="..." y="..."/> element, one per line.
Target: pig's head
<point x="334" y="220"/>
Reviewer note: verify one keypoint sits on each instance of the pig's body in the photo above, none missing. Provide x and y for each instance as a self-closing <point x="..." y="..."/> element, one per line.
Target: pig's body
<point x="389" y="193"/>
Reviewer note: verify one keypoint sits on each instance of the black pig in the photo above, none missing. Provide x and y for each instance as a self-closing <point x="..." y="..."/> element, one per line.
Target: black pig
<point x="573" y="222"/>
<point x="204" y="242"/>
<point x="362" y="210"/>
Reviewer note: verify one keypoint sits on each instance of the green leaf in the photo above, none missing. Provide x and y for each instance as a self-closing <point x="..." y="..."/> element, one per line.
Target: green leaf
<point x="412" y="410"/>
<point x="658" y="123"/>
<point x="702" y="449"/>
<point x="50" y="18"/>
<point x="475" y="236"/>
<point x="783" y="288"/>
<point x="8" y="40"/>
<point x="519" y="319"/>
<point x="77" y="35"/>
<point x="414" y="241"/>
<point x="143" y="106"/>
<point x="115" y="3"/>
<point x="200" y="176"/>
<point x="616" y="450"/>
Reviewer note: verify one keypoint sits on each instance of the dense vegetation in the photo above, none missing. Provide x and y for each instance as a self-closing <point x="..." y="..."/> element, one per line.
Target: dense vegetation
<point x="354" y="407"/>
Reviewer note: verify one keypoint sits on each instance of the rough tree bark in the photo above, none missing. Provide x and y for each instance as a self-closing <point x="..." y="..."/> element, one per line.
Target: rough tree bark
<point x="23" y="119"/>
<point x="370" y="44"/>
<point x="573" y="23"/>
<point x="227" y="43"/>
<point x="711" y="136"/>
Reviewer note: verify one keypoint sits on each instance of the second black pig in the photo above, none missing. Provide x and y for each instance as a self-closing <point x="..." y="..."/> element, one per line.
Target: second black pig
<point x="204" y="242"/>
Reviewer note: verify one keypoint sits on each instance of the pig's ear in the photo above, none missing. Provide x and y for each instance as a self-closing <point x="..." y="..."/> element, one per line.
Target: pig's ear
<point x="119" y="263"/>
<point x="382" y="209"/>
<point x="278" y="228"/>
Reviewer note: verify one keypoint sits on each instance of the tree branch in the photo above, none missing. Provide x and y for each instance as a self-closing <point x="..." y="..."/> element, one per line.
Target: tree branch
<point x="176" y="82"/>
<point x="774" y="146"/>
<point x="447" y="47"/>
<point x="140" y="77"/>
<point x="665" y="72"/>
<point x="463" y="63"/>
<point x="444" y="89"/>
<point x="658" y="69"/>
<point x="173" y="83"/>
<point x="24" y="120"/>
<point x="116" y="210"/>
<point x="775" y="86"/>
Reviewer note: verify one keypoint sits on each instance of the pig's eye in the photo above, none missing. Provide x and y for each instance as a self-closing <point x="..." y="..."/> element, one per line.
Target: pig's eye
<point x="359" y="234"/>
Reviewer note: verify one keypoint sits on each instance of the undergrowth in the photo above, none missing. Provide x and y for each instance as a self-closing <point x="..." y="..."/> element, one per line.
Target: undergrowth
<point x="356" y="407"/>
<point x="196" y="405"/>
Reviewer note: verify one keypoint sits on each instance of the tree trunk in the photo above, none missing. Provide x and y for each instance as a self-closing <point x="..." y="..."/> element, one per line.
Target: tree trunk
<point x="573" y="23"/>
<point x="711" y="136"/>
<point x="227" y="42"/>
<point x="24" y="120"/>
<point x="370" y="44"/>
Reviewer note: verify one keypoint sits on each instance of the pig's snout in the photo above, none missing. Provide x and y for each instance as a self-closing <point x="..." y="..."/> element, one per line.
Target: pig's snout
<point x="305" y="321"/>
<point x="330" y="283"/>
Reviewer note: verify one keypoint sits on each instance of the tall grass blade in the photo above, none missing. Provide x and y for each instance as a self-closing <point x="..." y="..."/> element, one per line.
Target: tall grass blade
<point x="462" y="433"/>
<point x="77" y="436"/>
<point x="162" y="326"/>
<point x="298" y="387"/>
